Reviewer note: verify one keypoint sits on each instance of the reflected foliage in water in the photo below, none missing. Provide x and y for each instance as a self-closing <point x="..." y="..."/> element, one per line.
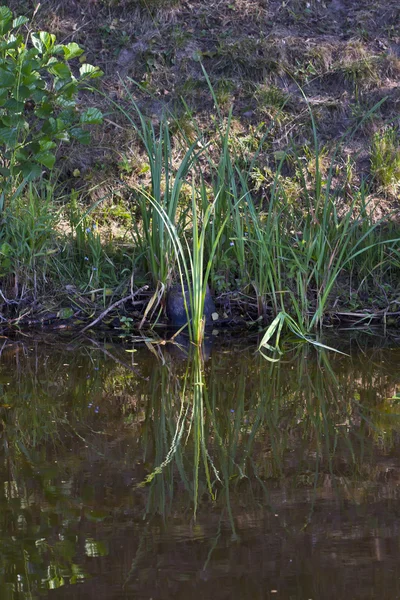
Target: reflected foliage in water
<point x="126" y="475"/>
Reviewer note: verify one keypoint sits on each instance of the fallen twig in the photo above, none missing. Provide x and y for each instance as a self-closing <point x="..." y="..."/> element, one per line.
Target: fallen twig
<point x="118" y="303"/>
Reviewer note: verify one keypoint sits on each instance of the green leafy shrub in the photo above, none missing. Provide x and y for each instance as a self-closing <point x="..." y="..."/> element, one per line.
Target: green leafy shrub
<point x="38" y="101"/>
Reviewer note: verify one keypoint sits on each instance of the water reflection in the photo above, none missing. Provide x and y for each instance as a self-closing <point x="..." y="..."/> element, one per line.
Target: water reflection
<point x="128" y="473"/>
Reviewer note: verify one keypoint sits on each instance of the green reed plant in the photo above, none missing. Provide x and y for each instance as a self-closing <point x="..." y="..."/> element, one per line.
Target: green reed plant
<point x="293" y="251"/>
<point x="150" y="234"/>
<point x="89" y="250"/>
<point x="335" y="240"/>
<point x="229" y="181"/>
<point x="221" y="166"/>
<point x="302" y="248"/>
<point x="179" y="429"/>
<point x="228" y="209"/>
<point x="193" y="264"/>
<point x="283" y="321"/>
<point x="265" y="228"/>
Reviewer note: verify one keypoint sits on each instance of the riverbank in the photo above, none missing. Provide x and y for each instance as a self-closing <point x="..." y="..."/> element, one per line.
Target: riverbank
<point x="252" y="146"/>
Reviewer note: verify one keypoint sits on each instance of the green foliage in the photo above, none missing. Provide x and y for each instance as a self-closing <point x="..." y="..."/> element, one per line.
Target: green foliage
<point x="38" y="102"/>
<point x="27" y="241"/>
<point x="292" y="232"/>
<point x="37" y="258"/>
<point x="151" y="235"/>
<point x="292" y="246"/>
<point x="385" y="160"/>
<point x="86" y="259"/>
<point x="274" y="332"/>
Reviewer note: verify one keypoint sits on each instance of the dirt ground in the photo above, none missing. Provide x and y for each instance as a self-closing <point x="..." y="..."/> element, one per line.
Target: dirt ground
<point x="261" y="56"/>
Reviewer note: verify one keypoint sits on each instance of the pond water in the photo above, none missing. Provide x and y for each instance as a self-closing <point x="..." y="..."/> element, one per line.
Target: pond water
<point x="132" y="471"/>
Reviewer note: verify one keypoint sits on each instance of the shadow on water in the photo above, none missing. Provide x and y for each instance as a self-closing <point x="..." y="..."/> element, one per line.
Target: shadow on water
<point x="127" y="473"/>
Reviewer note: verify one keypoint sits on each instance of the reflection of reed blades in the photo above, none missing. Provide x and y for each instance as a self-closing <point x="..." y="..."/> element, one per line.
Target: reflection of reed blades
<point x="193" y="407"/>
<point x="265" y="443"/>
<point x="193" y="269"/>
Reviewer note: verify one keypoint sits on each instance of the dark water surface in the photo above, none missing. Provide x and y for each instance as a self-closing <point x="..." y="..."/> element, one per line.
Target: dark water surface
<point x="146" y="475"/>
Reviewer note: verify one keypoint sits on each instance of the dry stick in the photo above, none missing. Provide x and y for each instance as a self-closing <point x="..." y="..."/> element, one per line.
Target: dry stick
<point x="118" y="303"/>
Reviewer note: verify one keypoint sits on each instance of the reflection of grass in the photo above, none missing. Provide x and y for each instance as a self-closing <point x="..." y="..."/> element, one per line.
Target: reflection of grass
<point x="229" y="432"/>
<point x="236" y="431"/>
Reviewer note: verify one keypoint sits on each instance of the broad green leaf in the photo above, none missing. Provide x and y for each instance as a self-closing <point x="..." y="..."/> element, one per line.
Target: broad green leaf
<point x="37" y="42"/>
<point x="14" y="106"/>
<point x="65" y="87"/>
<point x="31" y="148"/>
<point x="90" y="71"/>
<point x="48" y="39"/>
<point x="4" y="172"/>
<point x="66" y="102"/>
<point x="68" y="116"/>
<point x="63" y="136"/>
<point x="21" y="155"/>
<point x="11" y="44"/>
<point x="5" y="14"/>
<point x="92" y="116"/>
<point x="40" y="84"/>
<point x="39" y="96"/>
<point x="43" y="41"/>
<point x="30" y="170"/>
<point x="5" y="20"/>
<point x="72" y="50"/>
<point x="53" y="126"/>
<point x="29" y="65"/>
<point x="60" y="124"/>
<point x="44" y="110"/>
<point x="11" y="121"/>
<point x="30" y="78"/>
<point x="58" y="49"/>
<point x="22" y="92"/>
<point x="45" y="158"/>
<point x="18" y="21"/>
<point x="46" y="144"/>
<point x="60" y="70"/>
<point x="9" y="136"/>
<point x="81" y="135"/>
<point x="7" y="79"/>
<point x="52" y="61"/>
<point x="5" y="121"/>
<point x="50" y="126"/>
